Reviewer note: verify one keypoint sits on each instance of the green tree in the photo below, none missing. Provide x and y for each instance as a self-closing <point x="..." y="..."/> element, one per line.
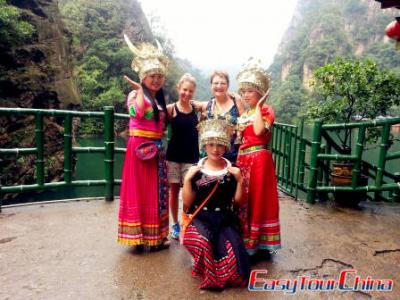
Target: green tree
<point x="348" y="90"/>
<point x="288" y="98"/>
<point x="103" y="58"/>
<point x="325" y="29"/>
<point x="13" y="30"/>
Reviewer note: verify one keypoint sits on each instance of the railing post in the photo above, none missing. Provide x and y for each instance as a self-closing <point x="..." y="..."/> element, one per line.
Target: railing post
<point x="109" y="145"/>
<point x="39" y="148"/>
<point x="293" y="137"/>
<point x="280" y="154"/>
<point x="382" y="158"/>
<point x="300" y="158"/>
<point x="328" y="164"/>
<point x="395" y="194"/>
<point x="320" y="174"/>
<point x="286" y="157"/>
<point x="315" y="146"/>
<point x="359" y="151"/>
<point x="273" y="143"/>
<point x="68" y="149"/>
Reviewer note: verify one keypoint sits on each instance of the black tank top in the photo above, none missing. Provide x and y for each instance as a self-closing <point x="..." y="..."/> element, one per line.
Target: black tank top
<point x="183" y="146"/>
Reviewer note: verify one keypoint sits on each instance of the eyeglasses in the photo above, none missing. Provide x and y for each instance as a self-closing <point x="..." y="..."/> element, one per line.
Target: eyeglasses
<point x="223" y="83"/>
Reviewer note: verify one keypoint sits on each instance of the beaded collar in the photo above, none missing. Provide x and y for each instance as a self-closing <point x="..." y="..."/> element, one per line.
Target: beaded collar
<point x="211" y="172"/>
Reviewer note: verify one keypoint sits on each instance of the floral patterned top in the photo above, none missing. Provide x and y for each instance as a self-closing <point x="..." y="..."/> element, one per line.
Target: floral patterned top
<point x="141" y="121"/>
<point x="246" y="129"/>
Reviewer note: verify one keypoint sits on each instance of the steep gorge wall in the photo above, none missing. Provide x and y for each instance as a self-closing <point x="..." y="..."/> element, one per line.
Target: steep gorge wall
<point x="39" y="74"/>
<point x="36" y="74"/>
<point x="42" y="73"/>
<point x="320" y="31"/>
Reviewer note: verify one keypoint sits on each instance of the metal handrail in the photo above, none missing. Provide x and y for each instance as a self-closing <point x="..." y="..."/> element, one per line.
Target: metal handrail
<point x="295" y="156"/>
<point x="109" y="150"/>
<point x="313" y="157"/>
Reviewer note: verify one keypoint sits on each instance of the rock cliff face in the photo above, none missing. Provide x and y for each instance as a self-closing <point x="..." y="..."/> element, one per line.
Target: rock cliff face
<point x="41" y="74"/>
<point x="38" y="74"/>
<point x="323" y="29"/>
<point x="320" y="31"/>
<point x="136" y="25"/>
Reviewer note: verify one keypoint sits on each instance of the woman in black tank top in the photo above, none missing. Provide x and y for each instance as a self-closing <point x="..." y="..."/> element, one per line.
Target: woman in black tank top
<point x="183" y="146"/>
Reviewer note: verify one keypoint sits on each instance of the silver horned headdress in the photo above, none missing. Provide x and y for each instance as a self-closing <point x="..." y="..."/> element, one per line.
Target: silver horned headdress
<point x="148" y="59"/>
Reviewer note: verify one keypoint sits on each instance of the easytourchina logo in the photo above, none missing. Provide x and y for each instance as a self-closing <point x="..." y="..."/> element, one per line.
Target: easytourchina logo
<point x="348" y="281"/>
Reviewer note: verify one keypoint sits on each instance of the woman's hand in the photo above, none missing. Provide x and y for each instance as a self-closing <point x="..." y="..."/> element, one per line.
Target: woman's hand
<point x="136" y="95"/>
<point x="236" y="173"/>
<point x="234" y="95"/>
<point x="191" y="172"/>
<point x="264" y="98"/>
<point x="134" y="84"/>
<point x="198" y="105"/>
<point x="239" y="187"/>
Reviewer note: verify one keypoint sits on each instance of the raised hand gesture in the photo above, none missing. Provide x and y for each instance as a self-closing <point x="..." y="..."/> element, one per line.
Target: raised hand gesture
<point x="137" y="93"/>
<point x="134" y="84"/>
<point x="262" y="100"/>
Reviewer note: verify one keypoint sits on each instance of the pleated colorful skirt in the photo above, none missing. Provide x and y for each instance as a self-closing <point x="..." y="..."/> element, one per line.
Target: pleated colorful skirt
<point x="219" y="256"/>
<point x="143" y="212"/>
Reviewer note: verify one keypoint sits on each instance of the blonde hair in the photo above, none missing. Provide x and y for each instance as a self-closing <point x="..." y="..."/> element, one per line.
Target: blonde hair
<point x="186" y="78"/>
<point x="222" y="74"/>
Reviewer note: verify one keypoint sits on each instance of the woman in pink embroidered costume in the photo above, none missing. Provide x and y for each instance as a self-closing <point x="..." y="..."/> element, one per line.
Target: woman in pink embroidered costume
<point x="213" y="237"/>
<point x="260" y="217"/>
<point x="143" y="213"/>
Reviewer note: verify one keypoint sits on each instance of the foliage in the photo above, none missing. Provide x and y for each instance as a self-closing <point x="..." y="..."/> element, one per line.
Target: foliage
<point x="102" y="56"/>
<point x="348" y="90"/>
<point x="323" y="30"/>
<point x="13" y="30"/>
<point x="288" y="99"/>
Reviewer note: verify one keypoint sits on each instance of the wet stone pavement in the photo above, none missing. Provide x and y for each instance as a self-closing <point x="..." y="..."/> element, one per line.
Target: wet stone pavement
<point x="69" y="251"/>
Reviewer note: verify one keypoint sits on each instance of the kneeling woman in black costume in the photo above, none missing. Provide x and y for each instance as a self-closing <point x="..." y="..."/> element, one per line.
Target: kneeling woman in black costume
<point x="213" y="237"/>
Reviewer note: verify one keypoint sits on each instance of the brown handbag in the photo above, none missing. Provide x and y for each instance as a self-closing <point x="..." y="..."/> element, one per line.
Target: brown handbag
<point x="187" y="218"/>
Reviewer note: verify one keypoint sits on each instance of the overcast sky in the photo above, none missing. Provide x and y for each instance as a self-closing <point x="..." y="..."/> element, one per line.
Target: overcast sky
<point x="215" y="34"/>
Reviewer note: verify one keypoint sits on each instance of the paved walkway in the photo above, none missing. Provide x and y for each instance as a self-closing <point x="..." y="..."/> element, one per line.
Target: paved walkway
<point x="69" y="251"/>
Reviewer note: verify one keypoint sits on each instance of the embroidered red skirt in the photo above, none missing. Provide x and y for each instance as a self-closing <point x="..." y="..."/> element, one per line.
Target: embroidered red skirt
<point x="260" y="215"/>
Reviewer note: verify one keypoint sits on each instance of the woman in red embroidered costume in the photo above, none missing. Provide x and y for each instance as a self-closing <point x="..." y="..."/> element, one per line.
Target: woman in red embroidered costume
<point x="213" y="237"/>
<point x="260" y="215"/>
<point x="143" y="213"/>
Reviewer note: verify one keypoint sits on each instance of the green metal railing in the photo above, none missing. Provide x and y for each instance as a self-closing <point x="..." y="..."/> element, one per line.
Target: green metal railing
<point x="305" y="163"/>
<point x="108" y="150"/>
<point x="302" y="164"/>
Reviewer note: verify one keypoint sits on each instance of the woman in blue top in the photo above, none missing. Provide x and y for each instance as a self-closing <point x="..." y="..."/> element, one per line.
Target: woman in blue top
<point x="223" y="106"/>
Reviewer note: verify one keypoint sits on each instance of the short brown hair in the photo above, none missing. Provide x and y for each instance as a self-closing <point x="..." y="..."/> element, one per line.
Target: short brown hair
<point x="220" y="74"/>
